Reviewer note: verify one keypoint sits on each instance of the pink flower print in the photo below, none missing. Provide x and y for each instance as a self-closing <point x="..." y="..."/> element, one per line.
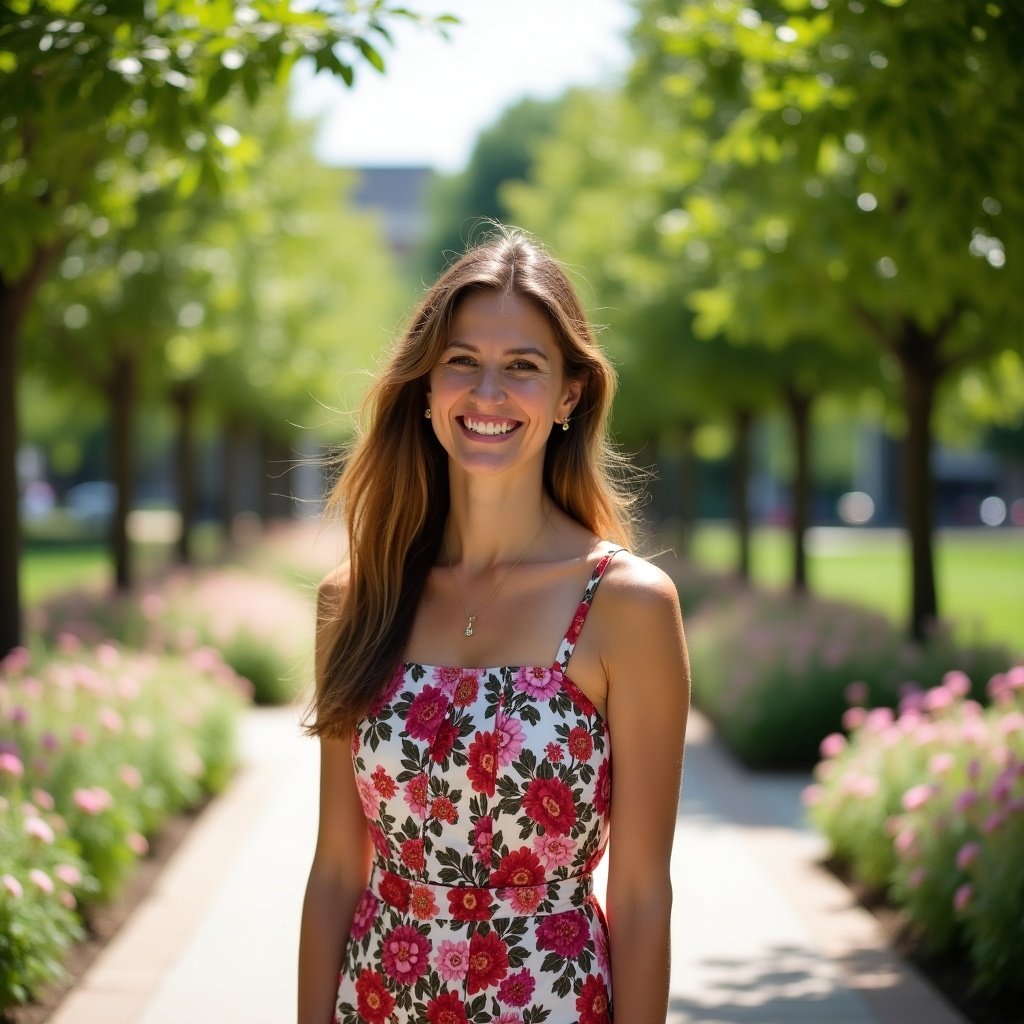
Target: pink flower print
<point x="510" y="738"/>
<point x="405" y="954"/>
<point x="452" y="960"/>
<point x="367" y="796"/>
<point x="564" y="934"/>
<point x="603" y="953"/>
<point x="603" y="788"/>
<point x="446" y="677"/>
<point x="555" y="753"/>
<point x="365" y="915"/>
<point x="507" y="1018"/>
<point x="415" y="794"/>
<point x="523" y="900"/>
<point x="517" y="989"/>
<point x="554" y="851"/>
<point x="482" y="832"/>
<point x="538" y="683"/>
<point x="425" y="714"/>
<point x="379" y="839"/>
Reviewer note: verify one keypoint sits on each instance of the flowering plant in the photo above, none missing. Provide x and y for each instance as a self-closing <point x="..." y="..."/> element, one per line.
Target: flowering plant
<point x="927" y="802"/>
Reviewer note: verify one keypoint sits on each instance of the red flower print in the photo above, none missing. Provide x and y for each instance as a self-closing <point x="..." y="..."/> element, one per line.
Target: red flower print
<point x="389" y="692"/>
<point x="380" y="840"/>
<point x="383" y="783"/>
<point x="520" y="867"/>
<point x="466" y="689"/>
<point x="422" y="903"/>
<point x="468" y="904"/>
<point x="517" y="989"/>
<point x="581" y="744"/>
<point x="446" y="1009"/>
<point x="565" y="934"/>
<point x="374" y="1002"/>
<point x="416" y="794"/>
<point x="365" y="915"/>
<point x="425" y="714"/>
<point x="444" y="810"/>
<point x="549" y="803"/>
<point x="483" y="762"/>
<point x="444" y="740"/>
<point x="577" y="623"/>
<point x="482" y="829"/>
<point x="357" y="741"/>
<point x="488" y="962"/>
<point x="592" y="1002"/>
<point x="405" y="954"/>
<point x="554" y="752"/>
<point x="394" y="890"/>
<point x="412" y="855"/>
<point x="603" y="788"/>
<point x="447" y="677"/>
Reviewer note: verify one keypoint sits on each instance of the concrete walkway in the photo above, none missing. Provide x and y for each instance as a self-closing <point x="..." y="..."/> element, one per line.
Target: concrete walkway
<point x="761" y="934"/>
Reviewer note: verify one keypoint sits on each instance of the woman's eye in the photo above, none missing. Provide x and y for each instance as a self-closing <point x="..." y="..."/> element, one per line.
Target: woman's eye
<point x="460" y="361"/>
<point x="524" y="364"/>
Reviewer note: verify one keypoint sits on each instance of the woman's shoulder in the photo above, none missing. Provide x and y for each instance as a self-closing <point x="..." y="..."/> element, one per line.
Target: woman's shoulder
<point x="631" y="580"/>
<point x="333" y="588"/>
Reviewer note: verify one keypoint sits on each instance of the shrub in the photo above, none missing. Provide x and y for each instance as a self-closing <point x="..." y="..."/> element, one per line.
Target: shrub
<point x="770" y="670"/>
<point x="97" y="748"/>
<point x="928" y="804"/>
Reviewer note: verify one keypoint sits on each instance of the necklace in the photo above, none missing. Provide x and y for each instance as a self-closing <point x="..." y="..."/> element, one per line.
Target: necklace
<point x="471" y="618"/>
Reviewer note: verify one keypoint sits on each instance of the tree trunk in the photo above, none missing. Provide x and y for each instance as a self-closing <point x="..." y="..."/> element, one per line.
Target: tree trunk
<point x="123" y="396"/>
<point x="230" y="477"/>
<point x="185" y="401"/>
<point x="742" y="423"/>
<point x="687" y="487"/>
<point x="799" y="408"/>
<point x="920" y="376"/>
<point x="15" y="299"/>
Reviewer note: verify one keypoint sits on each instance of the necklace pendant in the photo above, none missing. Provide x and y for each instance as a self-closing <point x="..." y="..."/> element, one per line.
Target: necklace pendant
<point x="468" y="631"/>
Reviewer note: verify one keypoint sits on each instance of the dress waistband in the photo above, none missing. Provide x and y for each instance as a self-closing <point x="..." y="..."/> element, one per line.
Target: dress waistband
<point x="427" y="901"/>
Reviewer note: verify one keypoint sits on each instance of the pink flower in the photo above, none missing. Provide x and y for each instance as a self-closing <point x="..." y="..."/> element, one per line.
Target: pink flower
<point x="38" y="829"/>
<point x="415" y="794"/>
<point x="111" y="720"/>
<point x="917" y="796"/>
<point x="879" y="719"/>
<point x="916" y="878"/>
<point x="941" y="764"/>
<point x="833" y="745"/>
<point x="405" y="954"/>
<point x="365" y="915"/>
<point x="563" y="934"/>
<point x="854" y="718"/>
<point x="554" y="851"/>
<point x="43" y="799"/>
<point x="18" y="715"/>
<point x="67" y="899"/>
<point x="367" y="796"/>
<point x="452" y="960"/>
<point x="137" y="843"/>
<point x="963" y="896"/>
<point x="905" y="841"/>
<point x="538" y="683"/>
<point x="966" y="855"/>
<point x="482" y="829"/>
<point x="10" y="764"/>
<point x="1011" y="723"/>
<point x="41" y="880"/>
<point x="856" y="694"/>
<point x="938" y="698"/>
<point x="12" y="886"/>
<point x="79" y="735"/>
<point x="957" y="683"/>
<point x="812" y="795"/>
<point x="510" y="738"/>
<point x="426" y="712"/>
<point x="130" y="776"/>
<point x="993" y="823"/>
<point x="517" y="989"/>
<point x="92" y="801"/>
<point x="68" y="874"/>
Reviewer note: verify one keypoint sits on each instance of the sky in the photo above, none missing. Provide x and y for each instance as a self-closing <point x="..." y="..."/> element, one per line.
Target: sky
<point x="436" y="96"/>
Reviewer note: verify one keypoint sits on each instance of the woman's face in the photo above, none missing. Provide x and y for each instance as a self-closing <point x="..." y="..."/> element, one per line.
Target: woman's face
<point x="499" y="386"/>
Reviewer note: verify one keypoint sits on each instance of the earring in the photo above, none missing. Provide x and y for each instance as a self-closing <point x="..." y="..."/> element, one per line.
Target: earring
<point x="426" y="413"/>
<point x="565" y="423"/>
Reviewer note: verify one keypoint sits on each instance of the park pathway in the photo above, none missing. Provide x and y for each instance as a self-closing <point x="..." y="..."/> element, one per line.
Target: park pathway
<point x="761" y="933"/>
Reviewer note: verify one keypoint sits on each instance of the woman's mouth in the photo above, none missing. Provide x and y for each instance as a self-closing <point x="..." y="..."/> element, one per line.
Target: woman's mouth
<point x="488" y="427"/>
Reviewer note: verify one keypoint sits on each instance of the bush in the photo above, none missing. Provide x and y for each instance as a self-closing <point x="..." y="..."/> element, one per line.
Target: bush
<point x="943" y="779"/>
<point x="97" y="748"/>
<point x="770" y="670"/>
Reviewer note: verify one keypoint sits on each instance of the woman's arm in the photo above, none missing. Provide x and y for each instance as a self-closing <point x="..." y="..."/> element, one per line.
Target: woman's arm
<point x="648" y="702"/>
<point x="341" y="861"/>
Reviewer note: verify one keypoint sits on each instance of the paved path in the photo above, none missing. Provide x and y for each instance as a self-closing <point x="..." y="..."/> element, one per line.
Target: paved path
<point x="761" y="934"/>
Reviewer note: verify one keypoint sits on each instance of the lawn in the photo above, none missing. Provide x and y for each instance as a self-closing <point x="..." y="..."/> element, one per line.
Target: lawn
<point x="979" y="573"/>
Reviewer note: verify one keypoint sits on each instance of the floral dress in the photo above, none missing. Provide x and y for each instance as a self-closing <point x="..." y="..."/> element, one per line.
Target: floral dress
<point x="487" y="793"/>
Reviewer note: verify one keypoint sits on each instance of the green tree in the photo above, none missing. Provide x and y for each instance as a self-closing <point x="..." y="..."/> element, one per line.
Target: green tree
<point x="84" y="83"/>
<point x="860" y="183"/>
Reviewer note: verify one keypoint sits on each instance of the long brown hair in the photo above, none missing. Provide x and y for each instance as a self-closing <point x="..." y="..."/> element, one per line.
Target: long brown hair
<point x="393" y="491"/>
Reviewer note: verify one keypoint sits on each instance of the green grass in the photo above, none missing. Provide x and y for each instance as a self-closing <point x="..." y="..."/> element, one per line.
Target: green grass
<point x="979" y="574"/>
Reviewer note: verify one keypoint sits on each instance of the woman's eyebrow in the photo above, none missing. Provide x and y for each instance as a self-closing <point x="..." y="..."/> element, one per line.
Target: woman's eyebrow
<point x="519" y="350"/>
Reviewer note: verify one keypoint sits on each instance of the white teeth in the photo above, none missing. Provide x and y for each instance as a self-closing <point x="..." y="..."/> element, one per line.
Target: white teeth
<point x="482" y="427"/>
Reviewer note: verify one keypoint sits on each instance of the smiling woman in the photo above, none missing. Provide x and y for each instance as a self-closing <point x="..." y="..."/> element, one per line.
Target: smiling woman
<point x="466" y="788"/>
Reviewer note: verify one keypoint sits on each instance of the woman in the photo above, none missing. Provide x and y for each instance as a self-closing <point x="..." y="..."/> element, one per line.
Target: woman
<point x="463" y="808"/>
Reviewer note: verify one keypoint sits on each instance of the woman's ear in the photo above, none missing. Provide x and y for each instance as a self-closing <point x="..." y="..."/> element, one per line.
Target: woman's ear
<point x="573" y="393"/>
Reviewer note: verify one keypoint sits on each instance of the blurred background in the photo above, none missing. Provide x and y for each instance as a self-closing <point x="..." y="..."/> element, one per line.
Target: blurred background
<point x="796" y="223"/>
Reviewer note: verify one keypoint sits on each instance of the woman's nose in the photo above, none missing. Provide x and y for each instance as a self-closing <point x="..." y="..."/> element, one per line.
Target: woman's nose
<point x="489" y="384"/>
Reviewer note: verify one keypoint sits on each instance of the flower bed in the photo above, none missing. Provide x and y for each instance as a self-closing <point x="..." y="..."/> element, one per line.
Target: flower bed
<point x="97" y="748"/>
<point x="927" y="805"/>
<point x="770" y="670"/>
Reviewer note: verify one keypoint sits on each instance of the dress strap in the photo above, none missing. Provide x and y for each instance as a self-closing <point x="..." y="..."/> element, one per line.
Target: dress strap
<point x="568" y="643"/>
